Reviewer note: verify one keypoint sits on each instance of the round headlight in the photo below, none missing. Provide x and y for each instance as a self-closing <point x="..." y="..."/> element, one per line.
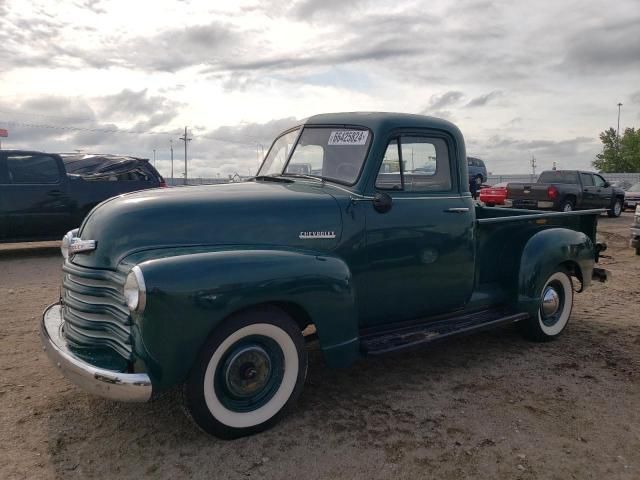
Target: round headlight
<point x="135" y="293"/>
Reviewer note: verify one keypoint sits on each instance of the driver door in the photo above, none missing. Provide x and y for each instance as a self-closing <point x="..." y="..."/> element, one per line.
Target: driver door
<point x="421" y="252"/>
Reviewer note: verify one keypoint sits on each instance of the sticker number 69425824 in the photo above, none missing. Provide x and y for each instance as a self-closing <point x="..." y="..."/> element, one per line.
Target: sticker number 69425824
<point x="348" y="137"/>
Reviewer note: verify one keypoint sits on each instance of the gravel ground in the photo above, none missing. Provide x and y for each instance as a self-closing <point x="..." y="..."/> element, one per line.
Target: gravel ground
<point x="490" y="405"/>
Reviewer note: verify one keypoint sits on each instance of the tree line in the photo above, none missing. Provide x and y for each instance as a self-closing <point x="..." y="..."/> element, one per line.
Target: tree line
<point x="619" y="154"/>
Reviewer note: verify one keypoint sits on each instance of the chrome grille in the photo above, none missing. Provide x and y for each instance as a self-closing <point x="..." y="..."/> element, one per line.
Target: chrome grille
<point x="94" y="310"/>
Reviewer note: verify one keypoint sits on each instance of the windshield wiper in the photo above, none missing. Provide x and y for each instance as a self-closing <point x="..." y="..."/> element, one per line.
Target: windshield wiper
<point x="302" y="175"/>
<point x="271" y="178"/>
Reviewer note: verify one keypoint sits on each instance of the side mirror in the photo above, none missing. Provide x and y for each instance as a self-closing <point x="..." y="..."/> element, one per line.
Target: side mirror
<point x="382" y="202"/>
<point x="606" y="185"/>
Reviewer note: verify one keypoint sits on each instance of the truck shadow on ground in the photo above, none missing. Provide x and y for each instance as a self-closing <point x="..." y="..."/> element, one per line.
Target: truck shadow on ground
<point x="450" y="395"/>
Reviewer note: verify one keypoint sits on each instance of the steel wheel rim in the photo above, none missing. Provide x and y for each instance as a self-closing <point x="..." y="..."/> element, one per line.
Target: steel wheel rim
<point x="249" y="373"/>
<point x="568" y="207"/>
<point x="617" y="208"/>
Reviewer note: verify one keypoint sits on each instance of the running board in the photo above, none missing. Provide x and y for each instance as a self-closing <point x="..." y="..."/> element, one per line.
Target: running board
<point x="416" y="336"/>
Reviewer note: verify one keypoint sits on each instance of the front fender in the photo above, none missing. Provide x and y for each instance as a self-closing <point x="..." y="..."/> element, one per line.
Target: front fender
<point x="541" y="256"/>
<point x="189" y="295"/>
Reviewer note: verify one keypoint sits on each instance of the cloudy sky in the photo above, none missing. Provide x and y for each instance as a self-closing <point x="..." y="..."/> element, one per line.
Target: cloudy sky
<point x="520" y="78"/>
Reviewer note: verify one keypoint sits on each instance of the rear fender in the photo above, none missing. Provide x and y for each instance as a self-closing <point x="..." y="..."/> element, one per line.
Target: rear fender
<point x="189" y="295"/>
<point x="541" y="256"/>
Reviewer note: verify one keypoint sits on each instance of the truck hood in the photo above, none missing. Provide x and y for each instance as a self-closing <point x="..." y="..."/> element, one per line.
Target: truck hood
<point x="261" y="214"/>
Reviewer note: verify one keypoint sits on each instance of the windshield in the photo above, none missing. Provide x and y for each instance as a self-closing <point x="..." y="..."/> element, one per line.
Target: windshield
<point x="330" y="153"/>
<point x="634" y="188"/>
<point x="278" y="153"/>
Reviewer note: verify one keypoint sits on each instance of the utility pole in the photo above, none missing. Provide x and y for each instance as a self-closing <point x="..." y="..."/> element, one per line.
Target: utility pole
<point x="185" y="139"/>
<point x="533" y="165"/>
<point x="171" y="142"/>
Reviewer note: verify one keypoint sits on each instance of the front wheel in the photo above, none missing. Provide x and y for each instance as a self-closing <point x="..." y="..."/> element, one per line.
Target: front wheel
<point x="250" y="371"/>
<point x="556" y="302"/>
<point x="616" y="209"/>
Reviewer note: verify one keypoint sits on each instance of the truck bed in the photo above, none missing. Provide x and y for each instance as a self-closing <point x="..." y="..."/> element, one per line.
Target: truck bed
<point x="502" y="232"/>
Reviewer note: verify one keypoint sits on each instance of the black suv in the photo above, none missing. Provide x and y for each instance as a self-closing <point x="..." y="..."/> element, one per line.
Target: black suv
<point x="44" y="195"/>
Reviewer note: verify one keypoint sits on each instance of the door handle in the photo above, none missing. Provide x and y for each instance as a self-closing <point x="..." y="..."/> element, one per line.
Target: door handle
<point x="55" y="193"/>
<point x="457" y="210"/>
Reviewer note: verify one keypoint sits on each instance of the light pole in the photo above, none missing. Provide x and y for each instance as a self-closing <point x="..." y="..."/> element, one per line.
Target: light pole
<point x="154" y="157"/>
<point x="618" y="130"/>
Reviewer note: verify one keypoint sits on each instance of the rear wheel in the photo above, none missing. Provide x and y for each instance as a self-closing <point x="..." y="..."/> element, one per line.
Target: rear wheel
<point x="567" y="205"/>
<point x="556" y="302"/>
<point x="251" y="370"/>
<point x="616" y="209"/>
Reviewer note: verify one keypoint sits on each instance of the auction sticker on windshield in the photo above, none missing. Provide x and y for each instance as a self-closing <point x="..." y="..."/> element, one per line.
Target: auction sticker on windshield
<point x="348" y="137"/>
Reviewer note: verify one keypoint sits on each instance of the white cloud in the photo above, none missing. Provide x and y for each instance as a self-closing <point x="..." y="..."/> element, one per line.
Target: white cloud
<point x="559" y="68"/>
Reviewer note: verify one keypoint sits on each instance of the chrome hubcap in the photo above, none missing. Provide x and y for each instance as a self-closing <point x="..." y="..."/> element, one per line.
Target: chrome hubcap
<point x="550" y="302"/>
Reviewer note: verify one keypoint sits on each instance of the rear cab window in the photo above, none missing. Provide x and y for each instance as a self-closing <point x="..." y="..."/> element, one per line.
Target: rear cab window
<point x="558" y="177"/>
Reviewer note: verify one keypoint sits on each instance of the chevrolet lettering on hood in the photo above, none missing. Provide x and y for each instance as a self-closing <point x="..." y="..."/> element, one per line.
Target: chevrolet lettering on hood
<point x="314" y="235"/>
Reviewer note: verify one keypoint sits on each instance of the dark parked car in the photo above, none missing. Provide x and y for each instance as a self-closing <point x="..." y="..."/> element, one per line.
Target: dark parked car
<point x="477" y="171"/>
<point x="566" y="190"/>
<point x="632" y="196"/>
<point x="42" y="195"/>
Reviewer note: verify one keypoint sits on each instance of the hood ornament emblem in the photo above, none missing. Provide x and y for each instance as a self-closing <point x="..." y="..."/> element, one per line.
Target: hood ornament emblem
<point x="329" y="234"/>
<point x="75" y="244"/>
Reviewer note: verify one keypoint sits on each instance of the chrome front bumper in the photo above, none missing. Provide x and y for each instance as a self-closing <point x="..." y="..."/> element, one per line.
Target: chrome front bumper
<point x="127" y="387"/>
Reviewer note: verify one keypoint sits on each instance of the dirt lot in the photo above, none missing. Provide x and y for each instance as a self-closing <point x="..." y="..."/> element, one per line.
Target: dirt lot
<point x="486" y="406"/>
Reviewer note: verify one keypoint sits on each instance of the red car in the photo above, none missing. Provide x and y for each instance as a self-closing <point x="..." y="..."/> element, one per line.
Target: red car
<point x="495" y="195"/>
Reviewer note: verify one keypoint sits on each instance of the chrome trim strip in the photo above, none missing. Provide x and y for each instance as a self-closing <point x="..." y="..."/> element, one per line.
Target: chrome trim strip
<point x="128" y="387"/>
<point x="457" y="210"/>
<point x="363" y="197"/>
<point x="527" y="215"/>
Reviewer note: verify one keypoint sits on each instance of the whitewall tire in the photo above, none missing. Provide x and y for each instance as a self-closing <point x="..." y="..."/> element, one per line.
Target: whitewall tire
<point x="249" y="372"/>
<point x="556" y="303"/>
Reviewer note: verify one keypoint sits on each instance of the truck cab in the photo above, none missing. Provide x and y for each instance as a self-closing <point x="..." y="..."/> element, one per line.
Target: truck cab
<point x="359" y="231"/>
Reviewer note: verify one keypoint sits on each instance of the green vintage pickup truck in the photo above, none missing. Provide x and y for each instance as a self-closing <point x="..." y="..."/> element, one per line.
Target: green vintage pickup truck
<point x="359" y="232"/>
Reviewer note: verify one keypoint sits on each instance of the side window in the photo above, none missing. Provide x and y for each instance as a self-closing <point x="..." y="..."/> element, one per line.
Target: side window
<point x="599" y="181"/>
<point x="587" y="179"/>
<point x="34" y="169"/>
<point x="389" y="176"/>
<point x="415" y="164"/>
<point x="425" y="163"/>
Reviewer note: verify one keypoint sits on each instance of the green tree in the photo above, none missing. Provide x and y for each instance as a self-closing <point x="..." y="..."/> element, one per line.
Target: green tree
<point x="619" y="156"/>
